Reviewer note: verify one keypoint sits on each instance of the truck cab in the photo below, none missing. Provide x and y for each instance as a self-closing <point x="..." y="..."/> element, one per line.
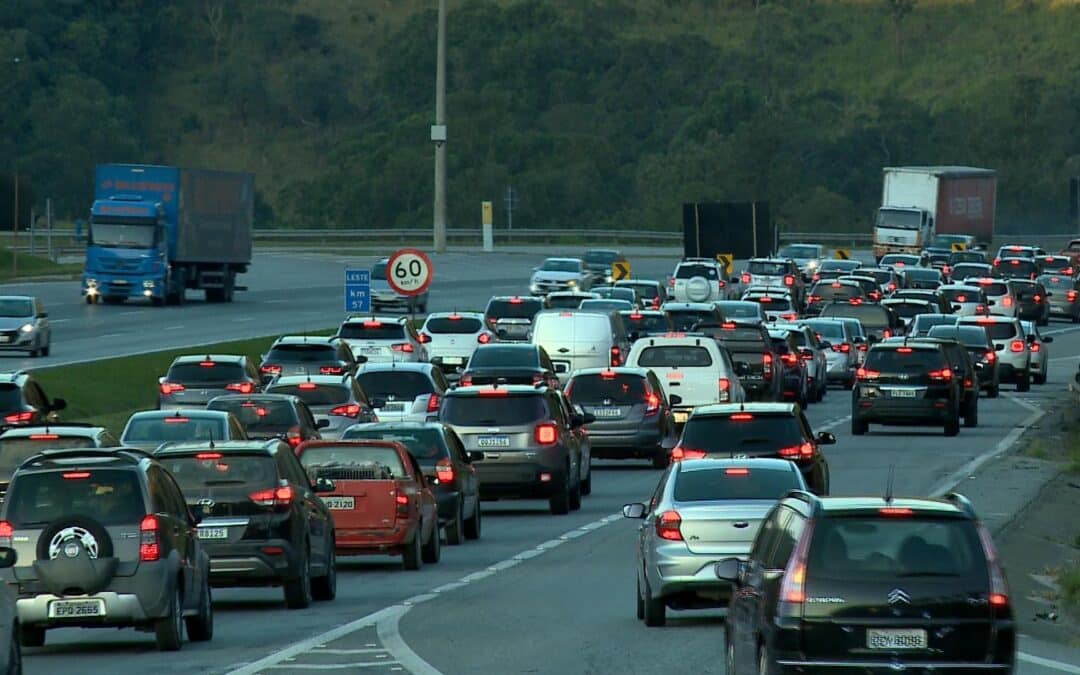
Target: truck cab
<point x="901" y="230"/>
<point x="126" y="250"/>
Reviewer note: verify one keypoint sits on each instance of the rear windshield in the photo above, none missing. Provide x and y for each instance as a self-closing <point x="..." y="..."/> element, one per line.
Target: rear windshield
<point x="773" y="269"/>
<point x="882" y="276"/>
<point x="421" y="443"/>
<point x="769" y="302"/>
<point x="797" y="336"/>
<point x="830" y="290"/>
<point x="690" y="271"/>
<point x="309" y="353"/>
<point x="923" y="275"/>
<point x="13" y="451"/>
<point x="620" y="389"/>
<point x="470" y="411"/>
<point x="109" y="496"/>
<point x="1057" y="283"/>
<point x="905" y="260"/>
<point x="206" y="371"/>
<point x="734" y="483"/>
<point x="616" y="293"/>
<point x="999" y="330"/>
<point x="995" y="288"/>
<point x="857" y="549"/>
<point x="928" y="321"/>
<point x="606" y="304"/>
<point x="521" y="308"/>
<point x="870" y="316"/>
<point x="1056" y="263"/>
<point x="565" y="301"/>
<point x="497" y="357"/>
<point x="907" y="310"/>
<point x="372" y="330"/>
<point x="402" y="385"/>
<point x="649" y="291"/>
<point x="969" y="336"/>
<point x="827" y="329"/>
<point x="646" y="323"/>
<point x="452" y="325"/>
<point x="960" y="295"/>
<point x="746" y="433"/>
<point x="210" y="472"/>
<point x="896" y="361"/>
<point x="327" y="460"/>
<point x="689" y="356"/>
<point x="174" y="429"/>
<point x="313" y="394"/>
<point x="965" y="270"/>
<point x="739" y="334"/>
<point x="1024" y="267"/>
<point x="260" y="418"/>
<point x="686" y="319"/>
<point x="740" y="310"/>
<point x="966" y="256"/>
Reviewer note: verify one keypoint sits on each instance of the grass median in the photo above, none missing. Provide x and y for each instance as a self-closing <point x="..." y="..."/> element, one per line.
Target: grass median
<point x="25" y="266"/>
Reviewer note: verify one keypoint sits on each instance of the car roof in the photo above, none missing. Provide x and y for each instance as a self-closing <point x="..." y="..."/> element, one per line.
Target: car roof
<point x="314" y="379"/>
<point x="699" y="306"/>
<point x="73" y="429"/>
<point x="317" y="340"/>
<point x="357" y="318"/>
<point x="511" y="389"/>
<point x="258" y="396"/>
<point x="726" y="409"/>
<point x="676" y="337"/>
<point x="912" y="343"/>
<point x="217" y="358"/>
<point x="770" y="463"/>
<point x="870" y="505"/>
<point x="446" y="315"/>
<point x="219" y="446"/>
<point x="406" y="366"/>
<point x="558" y="259"/>
<point x="620" y="370"/>
<point x="180" y="412"/>
<point x="988" y="318"/>
<point x="638" y="282"/>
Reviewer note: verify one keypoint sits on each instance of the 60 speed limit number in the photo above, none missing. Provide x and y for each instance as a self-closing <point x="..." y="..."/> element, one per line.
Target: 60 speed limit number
<point x="409" y="271"/>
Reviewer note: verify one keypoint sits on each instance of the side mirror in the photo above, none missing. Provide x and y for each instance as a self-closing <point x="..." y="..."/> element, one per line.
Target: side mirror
<point x="825" y="438"/>
<point x="589" y="418"/>
<point x="60" y="404"/>
<point x="729" y="569"/>
<point x="825" y="344"/>
<point x="1047" y="339"/>
<point x="957" y="308"/>
<point x="377" y="403"/>
<point x="8" y="557"/>
<point x="674" y="399"/>
<point x="323" y="485"/>
<point x="322" y="424"/>
<point x="636" y="511"/>
<point x="475" y="455"/>
<point x="576" y="421"/>
<point x="360" y="358"/>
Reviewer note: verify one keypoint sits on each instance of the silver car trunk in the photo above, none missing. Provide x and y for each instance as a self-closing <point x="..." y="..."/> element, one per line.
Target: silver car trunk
<point x="722" y="527"/>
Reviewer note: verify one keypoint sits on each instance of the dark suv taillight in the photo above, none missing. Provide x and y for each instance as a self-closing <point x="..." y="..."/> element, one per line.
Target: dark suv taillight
<point x="149" y="543"/>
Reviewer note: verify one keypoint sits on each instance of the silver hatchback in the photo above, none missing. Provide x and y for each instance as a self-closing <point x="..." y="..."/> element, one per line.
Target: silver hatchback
<point x="337" y="399"/>
<point x="703" y="511"/>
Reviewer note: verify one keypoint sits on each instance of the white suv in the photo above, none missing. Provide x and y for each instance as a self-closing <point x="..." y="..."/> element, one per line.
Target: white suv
<point x="383" y="339"/>
<point x="999" y="296"/>
<point x="452" y="337"/>
<point x="697" y="280"/>
<point x="1011" y="344"/>
<point x="693" y="367"/>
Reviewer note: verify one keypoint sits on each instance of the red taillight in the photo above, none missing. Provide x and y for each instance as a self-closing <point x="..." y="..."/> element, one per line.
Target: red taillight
<point x="807" y="356"/>
<point x="607" y="374"/>
<point x="667" y="526"/>
<point x="278" y="497"/>
<point x="741" y="417"/>
<point x="679" y="453"/>
<point x="843" y="348"/>
<point x="616" y="356"/>
<point x="671" y="282"/>
<point x="738" y="471"/>
<point x="75" y="475"/>
<point x="811" y="299"/>
<point x="989" y="357"/>
<point x="270" y="370"/>
<point x="867" y="374"/>
<point x="176" y="419"/>
<point x="728" y="325"/>
<point x="546" y="433"/>
<point x="789" y="280"/>
<point x="372" y="324"/>
<point x="724" y="388"/>
<point x="483" y="338"/>
<point x="423" y="338"/>
<point x="895" y="511"/>
<point x="904" y="350"/>
<point x="242" y="387"/>
<point x="515" y="300"/>
<point x="149" y="547"/>
<point x="891" y="286"/>
<point x="1071" y="296"/>
<point x="789" y="359"/>
<point x="943" y="375"/>
<point x="44" y="437"/>
<point x="347" y="410"/>
<point x="766" y="365"/>
<point x="1016" y="346"/>
<point x="466" y="380"/>
<point x="401" y="502"/>
<point x="999" y="588"/>
<point x="1037" y="298"/>
<point x="961" y="298"/>
<point x="652" y="403"/>
<point x="433" y="403"/>
<point x="170" y="388"/>
<point x="292" y="437"/>
<point x="206" y="456"/>
<point x="307" y="386"/>
<point x="402" y="347"/>
<point x="802" y="451"/>
<point x="746" y="277"/>
<point x="793" y="588"/>
<point x="789" y="317"/>
<point x="331" y="370"/>
<point x="444" y="470"/>
<point x="7" y="531"/>
<point x="863" y="347"/>
<point x="1035" y="347"/>
<point x="855" y="301"/>
<point x="764" y="299"/>
<point x="874" y="295"/>
<point x="1007" y="301"/>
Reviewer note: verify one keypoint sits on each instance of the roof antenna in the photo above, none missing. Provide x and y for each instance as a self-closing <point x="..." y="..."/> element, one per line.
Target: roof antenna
<point x="889" y="484"/>
<point x="211" y="430"/>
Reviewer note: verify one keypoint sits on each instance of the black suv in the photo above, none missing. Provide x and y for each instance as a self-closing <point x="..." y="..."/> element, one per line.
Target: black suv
<point x="304" y="355"/>
<point x="104" y="539"/>
<point x="262" y="522"/>
<point x="907" y="383"/>
<point x="869" y="585"/>
<point x="963" y="368"/>
<point x="751" y="349"/>
<point x="750" y="430"/>
<point x="193" y="380"/>
<point x="512" y="364"/>
<point x="980" y="348"/>
<point x="267" y="416"/>
<point x="23" y="402"/>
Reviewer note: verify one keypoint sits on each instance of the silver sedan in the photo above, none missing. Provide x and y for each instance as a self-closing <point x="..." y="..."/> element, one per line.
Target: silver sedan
<point x="702" y="512"/>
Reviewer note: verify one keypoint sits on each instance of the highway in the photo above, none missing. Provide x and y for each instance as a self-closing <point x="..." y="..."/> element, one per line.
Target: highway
<point x="537" y="594"/>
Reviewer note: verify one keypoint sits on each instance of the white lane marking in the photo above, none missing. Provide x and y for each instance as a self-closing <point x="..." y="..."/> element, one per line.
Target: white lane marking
<point x="244" y="318"/>
<point x="1059" y="331"/>
<point x="180" y="327"/>
<point x="386" y="619"/>
<point x="331" y="666"/>
<point x="1049" y="663"/>
<point x="1065" y="358"/>
<point x="59" y="320"/>
<point x="346" y="652"/>
<point x="134" y="311"/>
<point x="834" y="423"/>
<point x="951" y="481"/>
<point x="277" y="302"/>
<point x="111" y="335"/>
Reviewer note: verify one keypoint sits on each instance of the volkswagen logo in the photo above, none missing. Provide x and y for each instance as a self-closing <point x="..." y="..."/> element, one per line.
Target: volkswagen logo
<point x="898" y="596"/>
<point x="607" y="401"/>
<point x="71" y="549"/>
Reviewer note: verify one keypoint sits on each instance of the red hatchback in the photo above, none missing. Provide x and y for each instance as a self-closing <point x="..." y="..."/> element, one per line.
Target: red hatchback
<point x="381" y="503"/>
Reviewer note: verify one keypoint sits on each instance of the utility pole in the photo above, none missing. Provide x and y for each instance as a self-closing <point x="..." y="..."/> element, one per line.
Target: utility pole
<point x="15" y="229"/>
<point x="438" y="133"/>
<point x="510" y="200"/>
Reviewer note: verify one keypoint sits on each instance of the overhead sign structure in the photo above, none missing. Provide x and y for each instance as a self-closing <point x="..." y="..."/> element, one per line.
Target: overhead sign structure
<point x="357" y="291"/>
<point x="409" y="271"/>
<point x="958" y="246"/>
<point x="727" y="260"/>
<point x="620" y="270"/>
<point x="842" y="254"/>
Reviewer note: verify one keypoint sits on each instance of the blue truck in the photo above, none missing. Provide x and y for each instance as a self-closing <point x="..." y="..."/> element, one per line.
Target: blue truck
<point x="156" y="231"/>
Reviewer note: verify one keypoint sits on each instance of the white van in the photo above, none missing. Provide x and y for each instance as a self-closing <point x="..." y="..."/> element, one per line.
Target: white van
<point x="576" y="339"/>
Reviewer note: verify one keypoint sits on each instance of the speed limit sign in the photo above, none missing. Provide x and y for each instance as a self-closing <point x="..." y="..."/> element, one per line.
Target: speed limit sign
<point x="409" y="271"/>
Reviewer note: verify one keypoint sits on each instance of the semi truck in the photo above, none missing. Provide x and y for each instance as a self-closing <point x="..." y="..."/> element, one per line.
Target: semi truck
<point x="919" y="203"/>
<point x="156" y="231"/>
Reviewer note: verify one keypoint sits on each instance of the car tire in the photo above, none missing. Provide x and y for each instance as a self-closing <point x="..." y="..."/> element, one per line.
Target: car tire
<point x="858" y="426"/>
<point x="661" y="459"/>
<point x="455" y="529"/>
<point x="586" y="485"/>
<point x="432" y="550"/>
<point x="575" y="495"/>
<point x="31" y="636"/>
<point x="324" y="588"/>
<point x="200" y="628"/>
<point x="14" y="654"/>
<point x="169" y="629"/>
<point x="639" y="602"/>
<point x="157" y="302"/>
<point x="473" y="525"/>
<point x="411" y="558"/>
<point x="655" y="611"/>
<point x="1023" y="383"/>
<point x="971" y="415"/>
<point x="559" y="503"/>
<point x="993" y="392"/>
<point x="952" y="426"/>
<point x="298" y="589"/>
<point x="46" y="349"/>
<point x="1039" y="378"/>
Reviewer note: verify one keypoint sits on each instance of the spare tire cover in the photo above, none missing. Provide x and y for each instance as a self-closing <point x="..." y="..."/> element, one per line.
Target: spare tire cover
<point x="698" y="289"/>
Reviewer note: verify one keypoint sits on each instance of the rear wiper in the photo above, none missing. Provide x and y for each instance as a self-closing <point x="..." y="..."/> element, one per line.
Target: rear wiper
<point x="224" y="481"/>
<point x="486" y="422"/>
<point x="927" y="574"/>
<point x="751" y="441"/>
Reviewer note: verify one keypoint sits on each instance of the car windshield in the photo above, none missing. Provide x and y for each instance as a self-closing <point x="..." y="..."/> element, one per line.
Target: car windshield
<point x="215" y="474"/>
<point x="260" y="418"/>
<point x="504" y="357"/>
<point x="740" y="310"/>
<point x="881" y="276"/>
<point x="174" y="428"/>
<point x="13" y="308"/>
<point x="839" y="265"/>
<point x="302" y="353"/>
<point x="517" y="308"/>
<point x="372" y="330"/>
<point x="452" y="325"/>
<point x="686" y="319"/>
<point x="108" y="496"/>
<point x="423" y="444"/>
<point x="796" y="251"/>
<point x="904" y="360"/>
<point x="999" y="330"/>
<point x="742" y="432"/>
<point x="773" y="269"/>
<point x="904" y="220"/>
<point x="966" y="256"/>
<point x="206" y="371"/>
<point x="618" y="388"/>
<point x="601" y="256"/>
<point x="866" y="548"/>
<point x="692" y="270"/>
<point x="122" y="235"/>
<point x="313" y="394"/>
<point x="970" y="336"/>
<point x="675" y="356"/>
<point x="322" y="460"/>
<point x="554" y="265"/>
<point x="646" y="323"/>
<point x="395" y="384"/>
<point x="468" y="411"/>
<point x="15" y="449"/>
<point x="830" y="290"/>
<point x="723" y="483"/>
<point x="645" y="291"/>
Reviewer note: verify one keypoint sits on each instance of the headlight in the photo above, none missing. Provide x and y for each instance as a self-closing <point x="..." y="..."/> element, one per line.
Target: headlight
<point x="91" y="283"/>
<point x="812" y="265"/>
<point x="27" y="328"/>
<point x="571" y="282"/>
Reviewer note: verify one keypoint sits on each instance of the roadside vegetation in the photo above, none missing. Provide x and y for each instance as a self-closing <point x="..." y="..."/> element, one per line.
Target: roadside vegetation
<point x="15" y="265"/>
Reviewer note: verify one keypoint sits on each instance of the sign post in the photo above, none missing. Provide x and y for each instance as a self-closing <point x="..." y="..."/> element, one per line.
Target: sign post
<point x="357" y="291"/>
<point x="486" y="227"/>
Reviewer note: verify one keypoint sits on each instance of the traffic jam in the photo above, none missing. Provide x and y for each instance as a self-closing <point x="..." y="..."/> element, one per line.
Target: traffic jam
<point x="390" y="438"/>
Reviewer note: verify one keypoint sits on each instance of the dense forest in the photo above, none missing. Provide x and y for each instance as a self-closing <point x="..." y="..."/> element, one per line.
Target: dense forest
<point x="599" y="112"/>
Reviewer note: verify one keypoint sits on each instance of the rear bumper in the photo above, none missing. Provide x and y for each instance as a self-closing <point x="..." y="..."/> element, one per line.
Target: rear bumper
<point x="1069" y="309"/>
<point x="357" y="541"/>
<point x="904" y="412"/>
<point x="129" y="600"/>
<point x="247" y="563"/>
<point x="677" y="571"/>
<point x="883" y="667"/>
<point x="616" y="443"/>
<point x="522" y="480"/>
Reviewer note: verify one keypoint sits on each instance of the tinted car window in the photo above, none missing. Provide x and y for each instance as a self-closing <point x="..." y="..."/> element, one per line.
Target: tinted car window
<point x="331" y="457"/>
<point x="747" y="432"/>
<point x="896" y="361"/>
<point x="503" y="356"/>
<point x="999" y="331"/>
<point x="621" y="389"/>
<point x="734" y="483"/>
<point x="322" y="394"/>
<point x="451" y="326"/>
<point x="1023" y="267"/>
<point x="674" y="356"/>
<point x="773" y="303"/>
<point x="597" y="256"/>
<point x="209" y="471"/>
<point x="647" y="323"/>
<point x="523" y="308"/>
<point x="969" y="336"/>
<point x="207" y="371"/>
<point x="260" y="417"/>
<point x="14" y="450"/>
<point x="397" y="383"/>
<point x="827" y="329"/>
<point x="829" y="289"/>
<point x="109" y="496"/>
<point x="960" y="295"/>
<point x="686" y="319"/>
<point x="767" y="268"/>
<point x="421" y="443"/>
<point x="174" y="429"/>
<point x="301" y="353"/>
<point x="647" y="291"/>
<point x="995" y="288"/>
<point x="372" y="330"/>
<point x="922" y="275"/>
<point x="502" y="410"/>
<point x="908" y="310"/>
<point x="690" y="271"/>
<point x="739" y="310"/>
<point x="1057" y="283"/>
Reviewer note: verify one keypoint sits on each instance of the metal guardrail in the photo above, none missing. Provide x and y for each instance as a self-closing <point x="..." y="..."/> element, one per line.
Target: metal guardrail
<point x="418" y="234"/>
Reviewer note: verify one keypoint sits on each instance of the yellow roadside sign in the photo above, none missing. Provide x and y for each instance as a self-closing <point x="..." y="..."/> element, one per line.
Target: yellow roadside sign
<point x="842" y="254"/>
<point x="620" y="270"/>
<point x="727" y="260"/>
<point x="958" y="246"/>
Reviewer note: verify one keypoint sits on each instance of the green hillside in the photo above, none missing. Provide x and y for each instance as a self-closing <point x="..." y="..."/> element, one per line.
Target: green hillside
<point x="600" y="113"/>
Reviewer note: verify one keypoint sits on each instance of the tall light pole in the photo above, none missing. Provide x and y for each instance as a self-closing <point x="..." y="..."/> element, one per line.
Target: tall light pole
<point x="15" y="221"/>
<point x="438" y="133"/>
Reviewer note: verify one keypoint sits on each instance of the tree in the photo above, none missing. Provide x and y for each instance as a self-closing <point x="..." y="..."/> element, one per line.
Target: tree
<point x="898" y="10"/>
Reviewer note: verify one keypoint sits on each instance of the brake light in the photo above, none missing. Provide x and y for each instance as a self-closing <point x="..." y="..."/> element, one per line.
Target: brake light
<point x="176" y="419"/>
<point x="766" y="365"/>
<point x="989" y="357"/>
<point x="1014" y="263"/>
<point x="980" y="309"/>
<point x="616" y="356"/>
<point x="793" y="588"/>
<point x="170" y="388"/>
<point x="739" y="471"/>
<point x="746" y="277"/>
<point x="891" y="286"/>
<point x="789" y="359"/>
<point x="904" y="350"/>
<point x="292" y="437"/>
<point x="855" y="301"/>
<point x="741" y="417"/>
<point x="863" y="347"/>
<point x="789" y="280"/>
<point x="75" y="475"/>
<point x="836" y="284"/>
<point x="270" y="370"/>
<point x="728" y="325"/>
<point x="423" y="338"/>
<point x="329" y="370"/>
<point x="242" y="387"/>
<point x="943" y="375"/>
<point x="483" y="338"/>
<point x="307" y="386"/>
<point x="1071" y="296"/>
<point x="347" y="410"/>
<point x="1035" y="347"/>
<point x="808" y="356"/>
<point x="44" y="437"/>
<point x="724" y="388"/>
<point x="1037" y="298"/>
<point x="206" y="456"/>
<point x="546" y="433"/>
<point x="811" y="299"/>
<point x="671" y="282"/>
<point x="7" y="531"/>
<point x="999" y="588"/>
<point x="843" y="348"/>
<point x="961" y="298"/>
<point x="802" y="451"/>
<point x="516" y="300"/>
<point x="667" y="526"/>
<point x="679" y="453"/>
<point x="789" y="317"/>
<point x="945" y="269"/>
<point x="895" y="512"/>
<point x="607" y="374"/>
<point x="149" y="546"/>
<point x="652" y="403"/>
<point x="1007" y="301"/>
<point x="764" y="299"/>
<point x="465" y="380"/>
<point x="444" y="470"/>
<point x="874" y="295"/>
<point x="278" y="497"/>
<point x="401" y="502"/>
<point x="372" y="324"/>
<point x="867" y="374"/>
<point x="403" y="347"/>
<point x="1016" y="346"/>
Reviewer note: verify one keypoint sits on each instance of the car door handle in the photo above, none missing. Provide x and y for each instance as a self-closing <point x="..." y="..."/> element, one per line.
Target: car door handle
<point x="741" y="524"/>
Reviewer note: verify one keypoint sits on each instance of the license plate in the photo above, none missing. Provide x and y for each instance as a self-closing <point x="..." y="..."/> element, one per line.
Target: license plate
<point x="903" y="393"/>
<point x="340" y="503"/>
<point x="5" y="338"/>
<point x="61" y="609"/>
<point x="453" y="360"/>
<point x="213" y="533"/>
<point x="681" y="417"/>
<point x="896" y="638"/>
<point x="607" y="412"/>
<point x="372" y="350"/>
<point x="493" y="442"/>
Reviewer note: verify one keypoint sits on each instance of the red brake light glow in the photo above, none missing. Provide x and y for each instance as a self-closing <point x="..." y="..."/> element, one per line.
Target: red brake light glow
<point x="867" y="374"/>
<point x="804" y="450"/>
<point x="423" y="338"/>
<point x="444" y="470"/>
<point x="515" y="300"/>
<point x="44" y="437"/>
<point x="403" y="347"/>
<point x="271" y="369"/>
<point x="206" y="364"/>
<point x="372" y="324"/>
<point x="895" y="511"/>
<point x="433" y="403"/>
<point x="616" y="356"/>
<point x="204" y="456"/>
<point x="242" y="387"/>
<point x="739" y="471"/>
<point x="483" y="338"/>
<point x="1016" y="346"/>
<point x="607" y="374"/>
<point x="176" y="419"/>
<point x="546" y="433"/>
<point x="728" y="325"/>
<point x="741" y="417"/>
<point x="277" y="497"/>
<point x="652" y="403"/>
<point x="943" y="375"/>
<point x="667" y="526"/>
<point x="493" y="392"/>
<point x="7" y="531"/>
<point x="75" y="475"/>
<point x="328" y="370"/>
<point x="347" y="410"/>
<point x="170" y="388"/>
<point x="307" y="386"/>
<point x="679" y="453"/>
<point x="149" y="548"/>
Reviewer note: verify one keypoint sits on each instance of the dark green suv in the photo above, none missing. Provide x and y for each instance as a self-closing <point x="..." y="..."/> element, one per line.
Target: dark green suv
<point x="907" y="384"/>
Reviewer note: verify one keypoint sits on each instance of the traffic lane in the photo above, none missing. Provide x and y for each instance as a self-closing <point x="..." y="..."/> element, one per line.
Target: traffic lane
<point x="250" y="623"/>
